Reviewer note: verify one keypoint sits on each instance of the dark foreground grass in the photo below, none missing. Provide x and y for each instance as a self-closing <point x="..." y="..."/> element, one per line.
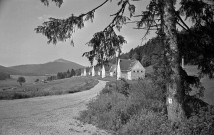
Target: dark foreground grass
<point x="136" y="108"/>
<point x="57" y="87"/>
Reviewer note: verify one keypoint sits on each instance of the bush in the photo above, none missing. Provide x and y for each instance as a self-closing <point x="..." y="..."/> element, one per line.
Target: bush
<point x="21" y="80"/>
<point x="124" y="87"/>
<point x="114" y="108"/>
<point x="147" y="123"/>
<point x="201" y="123"/>
<point x="20" y="95"/>
<point x="100" y="110"/>
<point x="137" y="107"/>
<point x="37" y="80"/>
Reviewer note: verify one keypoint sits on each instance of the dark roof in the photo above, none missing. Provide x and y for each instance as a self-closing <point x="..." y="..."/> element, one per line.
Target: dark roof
<point x="126" y="65"/>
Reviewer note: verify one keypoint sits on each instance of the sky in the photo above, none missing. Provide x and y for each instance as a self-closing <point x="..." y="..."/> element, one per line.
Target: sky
<point x="20" y="44"/>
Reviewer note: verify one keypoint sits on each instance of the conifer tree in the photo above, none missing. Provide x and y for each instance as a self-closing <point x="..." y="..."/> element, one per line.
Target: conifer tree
<point x="160" y="15"/>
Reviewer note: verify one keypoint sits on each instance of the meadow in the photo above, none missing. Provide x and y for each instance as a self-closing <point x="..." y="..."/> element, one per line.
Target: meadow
<point x="10" y="89"/>
<point x="7" y="84"/>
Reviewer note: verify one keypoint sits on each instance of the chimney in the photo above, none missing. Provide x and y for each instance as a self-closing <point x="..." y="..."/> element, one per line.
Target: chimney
<point x="182" y="62"/>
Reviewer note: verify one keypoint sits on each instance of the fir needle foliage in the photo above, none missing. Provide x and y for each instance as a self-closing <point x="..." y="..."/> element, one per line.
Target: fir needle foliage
<point x="160" y="15"/>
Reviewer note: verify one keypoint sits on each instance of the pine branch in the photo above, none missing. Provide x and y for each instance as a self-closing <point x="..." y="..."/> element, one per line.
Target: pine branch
<point x="181" y="26"/>
<point x="93" y="10"/>
<point x="58" y="2"/>
<point x="61" y="29"/>
<point x="118" y="14"/>
<point x="178" y="16"/>
<point x="145" y="28"/>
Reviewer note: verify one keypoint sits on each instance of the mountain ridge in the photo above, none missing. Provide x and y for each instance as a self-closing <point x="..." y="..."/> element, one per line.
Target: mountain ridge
<point x="61" y="60"/>
<point x="53" y="67"/>
<point x="7" y="70"/>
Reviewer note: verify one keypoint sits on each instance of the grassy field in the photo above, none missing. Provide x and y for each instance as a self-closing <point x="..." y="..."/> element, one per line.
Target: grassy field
<point x="7" y="84"/>
<point x="30" y="79"/>
<point x="10" y="89"/>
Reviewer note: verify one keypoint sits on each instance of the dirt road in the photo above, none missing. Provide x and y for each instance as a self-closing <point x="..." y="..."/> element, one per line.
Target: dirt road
<point x="51" y="115"/>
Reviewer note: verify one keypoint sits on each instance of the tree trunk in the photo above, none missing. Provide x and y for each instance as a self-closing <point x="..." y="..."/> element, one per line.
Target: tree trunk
<point x="175" y="95"/>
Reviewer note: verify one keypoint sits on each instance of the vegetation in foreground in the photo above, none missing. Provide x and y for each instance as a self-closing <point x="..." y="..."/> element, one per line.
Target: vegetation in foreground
<point x="138" y="108"/>
<point x="163" y="16"/>
<point x="10" y="89"/>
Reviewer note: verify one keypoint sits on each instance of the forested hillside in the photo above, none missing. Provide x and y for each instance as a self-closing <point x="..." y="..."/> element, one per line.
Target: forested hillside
<point x="190" y="46"/>
<point x="147" y="54"/>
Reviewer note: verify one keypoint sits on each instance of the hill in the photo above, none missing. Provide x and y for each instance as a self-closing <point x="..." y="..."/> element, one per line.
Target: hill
<point x="147" y="54"/>
<point x="54" y="67"/>
<point x="8" y="70"/>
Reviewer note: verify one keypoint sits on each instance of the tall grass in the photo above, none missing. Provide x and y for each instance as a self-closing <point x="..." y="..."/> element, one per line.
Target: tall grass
<point x="137" y="108"/>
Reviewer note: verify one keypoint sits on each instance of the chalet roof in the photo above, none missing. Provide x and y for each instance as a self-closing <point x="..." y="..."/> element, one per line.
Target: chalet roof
<point x="126" y="65"/>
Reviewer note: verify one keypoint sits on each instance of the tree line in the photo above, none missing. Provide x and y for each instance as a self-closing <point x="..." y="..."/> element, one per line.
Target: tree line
<point x="62" y="75"/>
<point x="191" y="51"/>
<point x="67" y="74"/>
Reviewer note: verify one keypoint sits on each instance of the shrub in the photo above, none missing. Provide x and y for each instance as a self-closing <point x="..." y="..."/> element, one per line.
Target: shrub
<point x="109" y="88"/>
<point x="20" y="95"/>
<point x="142" y="111"/>
<point x="73" y="91"/>
<point x="147" y="123"/>
<point x="124" y="87"/>
<point x="37" y="80"/>
<point x="113" y="108"/>
<point x="145" y="95"/>
<point x="201" y="123"/>
<point x="21" y="80"/>
<point x="101" y="108"/>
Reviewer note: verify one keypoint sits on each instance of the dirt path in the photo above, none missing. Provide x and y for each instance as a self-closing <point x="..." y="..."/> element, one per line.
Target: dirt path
<point x="51" y="115"/>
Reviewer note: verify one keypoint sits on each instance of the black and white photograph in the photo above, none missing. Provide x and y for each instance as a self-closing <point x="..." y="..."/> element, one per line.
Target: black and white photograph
<point x="106" y="67"/>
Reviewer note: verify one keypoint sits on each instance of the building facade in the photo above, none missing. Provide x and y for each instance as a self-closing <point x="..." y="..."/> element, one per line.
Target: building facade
<point x="128" y="69"/>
